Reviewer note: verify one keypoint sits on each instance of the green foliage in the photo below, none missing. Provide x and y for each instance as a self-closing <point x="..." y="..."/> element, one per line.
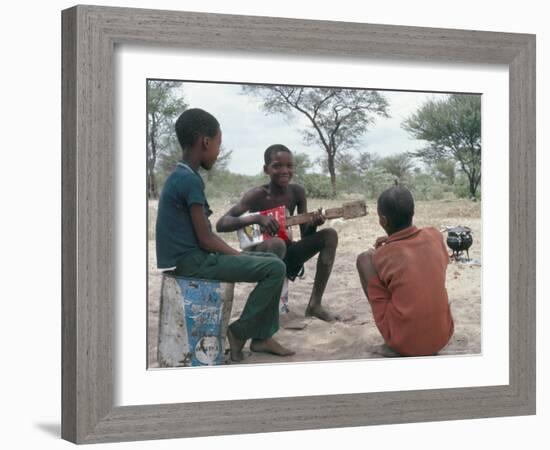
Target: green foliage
<point x="362" y="174"/>
<point x="350" y="183"/>
<point x="376" y="180"/>
<point x="302" y="164"/>
<point x="444" y="170"/>
<point x="461" y="189"/>
<point x="166" y="163"/>
<point x="452" y="128"/>
<point x="317" y="185"/>
<point x="165" y="102"/>
<point x="426" y="187"/>
<point x="228" y="184"/>
<point x="222" y="162"/>
<point x="399" y="165"/>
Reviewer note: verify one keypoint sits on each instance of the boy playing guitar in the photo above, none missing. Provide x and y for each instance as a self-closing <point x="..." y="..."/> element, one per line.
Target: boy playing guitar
<point x="279" y="165"/>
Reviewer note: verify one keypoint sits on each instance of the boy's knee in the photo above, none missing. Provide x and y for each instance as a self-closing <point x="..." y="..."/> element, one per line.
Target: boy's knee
<point x="330" y="237"/>
<point x="276" y="246"/>
<point x="277" y="267"/>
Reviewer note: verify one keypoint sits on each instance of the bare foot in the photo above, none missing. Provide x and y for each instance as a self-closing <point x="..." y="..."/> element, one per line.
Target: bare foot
<point x="235" y="346"/>
<point x="321" y="313"/>
<point x="270" y="345"/>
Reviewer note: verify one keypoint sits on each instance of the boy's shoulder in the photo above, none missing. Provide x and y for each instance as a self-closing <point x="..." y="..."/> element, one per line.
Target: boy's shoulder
<point x="263" y="190"/>
<point x="432" y="232"/>
<point x="297" y="188"/>
<point x="257" y="192"/>
<point x="184" y="172"/>
<point x="419" y="245"/>
<point x="428" y="235"/>
<point x="182" y="180"/>
<point x="297" y="191"/>
<point x="397" y="240"/>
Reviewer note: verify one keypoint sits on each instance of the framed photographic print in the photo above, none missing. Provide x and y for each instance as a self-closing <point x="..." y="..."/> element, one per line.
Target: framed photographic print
<point x="372" y="152"/>
<point x="115" y="58"/>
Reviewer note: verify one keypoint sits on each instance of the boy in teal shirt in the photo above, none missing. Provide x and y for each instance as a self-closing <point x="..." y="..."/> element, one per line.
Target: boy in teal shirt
<point x="187" y="245"/>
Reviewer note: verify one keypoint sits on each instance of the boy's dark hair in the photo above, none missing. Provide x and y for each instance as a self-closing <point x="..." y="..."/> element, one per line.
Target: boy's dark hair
<point x="397" y="204"/>
<point x="272" y="149"/>
<point x="193" y="123"/>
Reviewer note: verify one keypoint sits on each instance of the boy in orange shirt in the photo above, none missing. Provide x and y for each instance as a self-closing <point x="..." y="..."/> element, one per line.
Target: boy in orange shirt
<point x="403" y="278"/>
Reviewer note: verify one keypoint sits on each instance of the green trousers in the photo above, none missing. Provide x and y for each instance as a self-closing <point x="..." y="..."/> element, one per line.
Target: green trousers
<point x="260" y="317"/>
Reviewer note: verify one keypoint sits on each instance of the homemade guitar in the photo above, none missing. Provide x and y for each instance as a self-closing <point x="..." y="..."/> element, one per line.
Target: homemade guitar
<point x="252" y="234"/>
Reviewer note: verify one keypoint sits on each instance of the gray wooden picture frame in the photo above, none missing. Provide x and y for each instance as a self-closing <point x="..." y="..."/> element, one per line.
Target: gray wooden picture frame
<point x="90" y="34"/>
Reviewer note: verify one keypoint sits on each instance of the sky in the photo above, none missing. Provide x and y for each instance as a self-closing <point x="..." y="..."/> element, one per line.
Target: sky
<point x="248" y="131"/>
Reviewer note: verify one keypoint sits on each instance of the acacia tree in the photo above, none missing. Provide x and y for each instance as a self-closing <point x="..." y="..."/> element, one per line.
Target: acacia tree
<point x="444" y="170"/>
<point x="337" y="117"/>
<point x="452" y="127"/>
<point x="398" y="165"/>
<point x="165" y="102"/>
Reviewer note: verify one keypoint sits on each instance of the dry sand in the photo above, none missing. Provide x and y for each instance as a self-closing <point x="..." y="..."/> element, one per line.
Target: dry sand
<point x="356" y="337"/>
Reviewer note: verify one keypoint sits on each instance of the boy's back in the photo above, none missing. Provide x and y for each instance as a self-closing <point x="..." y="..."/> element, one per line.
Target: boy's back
<point x="408" y="298"/>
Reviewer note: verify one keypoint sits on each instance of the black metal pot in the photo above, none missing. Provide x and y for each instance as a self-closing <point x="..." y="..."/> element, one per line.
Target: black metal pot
<point x="459" y="239"/>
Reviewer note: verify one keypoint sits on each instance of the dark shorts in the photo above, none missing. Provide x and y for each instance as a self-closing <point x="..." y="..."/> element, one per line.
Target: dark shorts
<point x="294" y="261"/>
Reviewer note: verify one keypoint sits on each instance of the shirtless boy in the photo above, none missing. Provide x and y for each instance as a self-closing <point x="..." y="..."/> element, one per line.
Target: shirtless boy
<point x="279" y="165"/>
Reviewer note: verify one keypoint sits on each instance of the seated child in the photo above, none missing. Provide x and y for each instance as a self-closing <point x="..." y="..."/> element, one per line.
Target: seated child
<point x="185" y="241"/>
<point x="279" y="165"/>
<point x="404" y="279"/>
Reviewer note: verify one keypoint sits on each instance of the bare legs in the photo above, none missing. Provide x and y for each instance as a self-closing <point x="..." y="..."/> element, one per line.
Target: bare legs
<point x="235" y="346"/>
<point x="268" y="345"/>
<point x="323" y="242"/>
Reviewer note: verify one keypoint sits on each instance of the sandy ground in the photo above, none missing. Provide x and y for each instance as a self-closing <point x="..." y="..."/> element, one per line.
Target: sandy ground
<point x="356" y="337"/>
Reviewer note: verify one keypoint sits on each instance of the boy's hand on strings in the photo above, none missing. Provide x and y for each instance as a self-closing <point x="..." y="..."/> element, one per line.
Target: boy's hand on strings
<point x="318" y="218"/>
<point x="380" y="241"/>
<point x="268" y="224"/>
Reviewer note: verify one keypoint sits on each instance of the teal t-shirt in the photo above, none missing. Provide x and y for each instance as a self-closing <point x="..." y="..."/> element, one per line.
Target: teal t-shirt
<point x="175" y="236"/>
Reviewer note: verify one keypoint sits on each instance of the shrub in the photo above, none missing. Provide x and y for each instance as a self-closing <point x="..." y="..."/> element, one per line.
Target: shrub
<point x="375" y="181"/>
<point x="226" y="184"/>
<point x="317" y="185"/>
<point x="462" y="188"/>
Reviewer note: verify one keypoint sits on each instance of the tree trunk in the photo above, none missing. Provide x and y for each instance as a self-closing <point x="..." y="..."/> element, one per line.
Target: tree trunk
<point x="332" y="171"/>
<point x="152" y="159"/>
<point x="151" y="184"/>
<point x="473" y="186"/>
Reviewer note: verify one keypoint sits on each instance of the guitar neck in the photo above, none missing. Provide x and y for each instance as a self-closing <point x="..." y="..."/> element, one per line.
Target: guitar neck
<point x="347" y="211"/>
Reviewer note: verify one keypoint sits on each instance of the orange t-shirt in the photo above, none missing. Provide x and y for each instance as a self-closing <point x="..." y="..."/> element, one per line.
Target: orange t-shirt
<point x="408" y="297"/>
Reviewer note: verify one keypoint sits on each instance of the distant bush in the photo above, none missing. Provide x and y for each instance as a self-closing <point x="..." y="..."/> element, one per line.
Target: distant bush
<point x="226" y="184"/>
<point x="350" y="184"/>
<point x="375" y="181"/>
<point x="426" y="187"/>
<point x="368" y="182"/>
<point x="462" y="189"/>
<point x="317" y="185"/>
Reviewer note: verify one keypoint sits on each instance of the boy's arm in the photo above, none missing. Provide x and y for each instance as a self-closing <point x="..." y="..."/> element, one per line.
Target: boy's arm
<point x="208" y="241"/>
<point x="377" y="294"/>
<point x="307" y="229"/>
<point x="232" y="220"/>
